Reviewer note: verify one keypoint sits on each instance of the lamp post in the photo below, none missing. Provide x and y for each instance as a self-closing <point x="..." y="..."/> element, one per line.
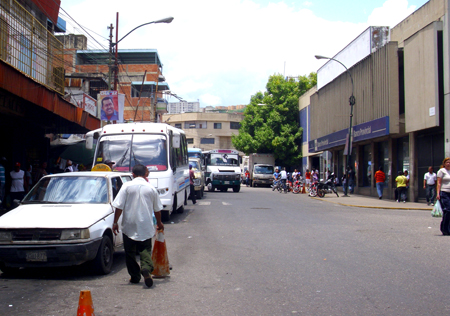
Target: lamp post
<point x="352" y="102"/>
<point x="115" y="45"/>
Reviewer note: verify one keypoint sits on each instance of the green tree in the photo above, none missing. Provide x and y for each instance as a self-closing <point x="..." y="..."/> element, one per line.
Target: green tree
<point x="271" y="120"/>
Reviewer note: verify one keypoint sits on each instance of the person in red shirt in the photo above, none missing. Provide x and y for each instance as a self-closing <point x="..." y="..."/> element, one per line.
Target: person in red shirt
<point x="247" y="177"/>
<point x="191" y="184"/>
<point x="307" y="178"/>
<point x="380" y="177"/>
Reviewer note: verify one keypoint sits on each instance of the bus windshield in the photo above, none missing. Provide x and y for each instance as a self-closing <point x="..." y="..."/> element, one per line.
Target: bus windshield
<point x="126" y="151"/>
<point x="224" y="160"/>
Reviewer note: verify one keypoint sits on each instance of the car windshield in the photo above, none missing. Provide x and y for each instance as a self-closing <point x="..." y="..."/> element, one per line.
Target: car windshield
<point x="264" y="169"/>
<point x="194" y="164"/>
<point x="224" y="160"/>
<point x="195" y="155"/>
<point x="83" y="189"/>
<point x="127" y="151"/>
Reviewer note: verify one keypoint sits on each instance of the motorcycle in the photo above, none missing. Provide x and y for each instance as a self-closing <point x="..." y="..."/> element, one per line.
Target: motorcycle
<point x="327" y="187"/>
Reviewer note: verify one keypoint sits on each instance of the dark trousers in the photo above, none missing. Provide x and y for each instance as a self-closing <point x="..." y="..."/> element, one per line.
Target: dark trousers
<point x="431" y="193"/>
<point x="144" y="248"/>
<point x="445" y="205"/>
<point x="193" y="193"/>
<point x="400" y="194"/>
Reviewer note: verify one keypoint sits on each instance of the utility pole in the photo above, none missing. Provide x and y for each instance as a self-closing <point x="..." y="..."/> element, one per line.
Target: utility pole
<point x="111" y="27"/>
<point x="116" y="59"/>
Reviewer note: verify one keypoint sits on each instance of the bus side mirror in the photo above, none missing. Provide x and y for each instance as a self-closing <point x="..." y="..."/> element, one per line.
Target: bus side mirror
<point x="89" y="142"/>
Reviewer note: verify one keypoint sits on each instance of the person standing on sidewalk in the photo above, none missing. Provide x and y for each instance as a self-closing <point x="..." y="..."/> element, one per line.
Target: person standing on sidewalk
<point x="400" y="192"/>
<point x="191" y="184"/>
<point x="443" y="194"/>
<point x="429" y="184"/>
<point x="380" y="177"/>
<point x="138" y="200"/>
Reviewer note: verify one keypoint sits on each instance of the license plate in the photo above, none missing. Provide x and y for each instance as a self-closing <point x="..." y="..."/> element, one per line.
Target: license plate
<point x="39" y="256"/>
<point x="226" y="182"/>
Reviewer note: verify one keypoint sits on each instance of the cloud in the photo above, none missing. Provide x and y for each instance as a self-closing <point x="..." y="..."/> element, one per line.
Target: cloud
<point x="223" y="51"/>
<point x="307" y="3"/>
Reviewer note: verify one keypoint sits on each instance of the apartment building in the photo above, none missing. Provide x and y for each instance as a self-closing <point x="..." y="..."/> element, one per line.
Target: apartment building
<point x="206" y="131"/>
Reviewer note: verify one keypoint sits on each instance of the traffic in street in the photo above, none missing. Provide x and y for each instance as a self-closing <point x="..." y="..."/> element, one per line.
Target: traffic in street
<point x="260" y="252"/>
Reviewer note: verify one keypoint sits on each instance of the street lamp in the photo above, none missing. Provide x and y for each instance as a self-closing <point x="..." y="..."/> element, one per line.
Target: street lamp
<point x="111" y="44"/>
<point x="352" y="102"/>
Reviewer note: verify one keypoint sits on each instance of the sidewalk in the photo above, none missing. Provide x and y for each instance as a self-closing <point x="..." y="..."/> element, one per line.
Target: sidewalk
<point x="371" y="202"/>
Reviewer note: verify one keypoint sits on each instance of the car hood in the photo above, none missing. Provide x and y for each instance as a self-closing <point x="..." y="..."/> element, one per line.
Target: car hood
<point x="55" y="215"/>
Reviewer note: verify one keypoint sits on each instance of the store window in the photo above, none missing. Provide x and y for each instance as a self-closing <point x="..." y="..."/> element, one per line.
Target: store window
<point x="383" y="159"/>
<point x="367" y="165"/>
<point x="403" y="154"/>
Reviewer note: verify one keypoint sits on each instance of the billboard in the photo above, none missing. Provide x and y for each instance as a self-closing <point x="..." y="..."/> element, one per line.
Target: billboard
<point x="111" y="109"/>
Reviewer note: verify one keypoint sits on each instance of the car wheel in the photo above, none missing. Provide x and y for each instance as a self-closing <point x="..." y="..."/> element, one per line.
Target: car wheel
<point x="236" y="189"/>
<point x="104" y="259"/>
<point x="210" y="187"/>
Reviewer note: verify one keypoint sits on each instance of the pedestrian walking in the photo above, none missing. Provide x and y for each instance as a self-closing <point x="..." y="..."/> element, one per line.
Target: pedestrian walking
<point x="191" y="184"/>
<point x="18" y="183"/>
<point x="351" y="180"/>
<point x="406" y="174"/>
<point x="380" y="177"/>
<point x="307" y="178"/>
<point x="247" y="177"/>
<point x="443" y="194"/>
<point x="69" y="167"/>
<point x="400" y="192"/>
<point x="429" y="184"/>
<point x="41" y="172"/>
<point x="138" y="201"/>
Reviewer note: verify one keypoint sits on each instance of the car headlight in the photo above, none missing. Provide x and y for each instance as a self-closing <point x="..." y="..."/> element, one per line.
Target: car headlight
<point x="69" y="234"/>
<point x="163" y="191"/>
<point x="238" y="177"/>
<point x="5" y="236"/>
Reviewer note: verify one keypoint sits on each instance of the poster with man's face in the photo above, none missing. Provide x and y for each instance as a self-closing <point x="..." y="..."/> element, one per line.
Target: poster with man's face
<point x="109" y="106"/>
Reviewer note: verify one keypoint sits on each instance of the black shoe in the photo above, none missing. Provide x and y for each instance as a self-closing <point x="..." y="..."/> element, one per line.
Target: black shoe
<point x="147" y="277"/>
<point x="134" y="281"/>
<point x="379" y="197"/>
<point x="195" y="202"/>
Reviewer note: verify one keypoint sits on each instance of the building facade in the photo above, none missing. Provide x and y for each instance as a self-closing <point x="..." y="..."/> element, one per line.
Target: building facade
<point x="206" y="131"/>
<point x="32" y="103"/>
<point x="139" y="77"/>
<point x="400" y="117"/>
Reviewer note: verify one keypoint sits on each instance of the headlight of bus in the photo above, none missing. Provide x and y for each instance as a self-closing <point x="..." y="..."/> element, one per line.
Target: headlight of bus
<point x="5" y="236"/>
<point x="69" y="234"/>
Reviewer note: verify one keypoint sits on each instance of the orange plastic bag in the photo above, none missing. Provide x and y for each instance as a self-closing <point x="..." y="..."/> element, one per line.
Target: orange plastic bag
<point x="159" y="256"/>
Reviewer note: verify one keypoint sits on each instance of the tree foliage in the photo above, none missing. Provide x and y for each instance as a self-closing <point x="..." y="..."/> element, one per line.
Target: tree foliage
<point x="271" y="120"/>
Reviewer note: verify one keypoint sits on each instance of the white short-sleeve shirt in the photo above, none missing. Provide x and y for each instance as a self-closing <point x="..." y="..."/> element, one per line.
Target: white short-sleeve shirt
<point x="138" y="199"/>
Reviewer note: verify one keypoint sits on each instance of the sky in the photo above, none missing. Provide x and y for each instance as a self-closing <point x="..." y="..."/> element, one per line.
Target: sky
<point x="221" y="52"/>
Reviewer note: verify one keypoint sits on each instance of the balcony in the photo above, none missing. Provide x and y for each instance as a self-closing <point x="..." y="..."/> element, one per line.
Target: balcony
<point x="27" y="46"/>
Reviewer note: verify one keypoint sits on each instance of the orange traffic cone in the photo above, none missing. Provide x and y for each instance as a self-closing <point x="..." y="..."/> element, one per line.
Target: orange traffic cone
<point x="85" y="305"/>
<point x="303" y="189"/>
<point x="159" y="256"/>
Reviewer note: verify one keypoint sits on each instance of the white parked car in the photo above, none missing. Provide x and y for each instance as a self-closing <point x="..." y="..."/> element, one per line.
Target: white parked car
<point x="66" y="219"/>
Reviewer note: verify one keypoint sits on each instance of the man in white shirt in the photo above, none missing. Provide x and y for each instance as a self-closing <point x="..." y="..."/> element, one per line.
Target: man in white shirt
<point x="429" y="184"/>
<point x="138" y="200"/>
<point x="283" y="175"/>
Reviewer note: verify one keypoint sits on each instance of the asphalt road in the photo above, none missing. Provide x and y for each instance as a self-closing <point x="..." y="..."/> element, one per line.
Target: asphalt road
<point x="260" y="252"/>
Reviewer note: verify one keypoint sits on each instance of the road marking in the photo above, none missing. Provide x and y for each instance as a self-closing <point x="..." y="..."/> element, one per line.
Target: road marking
<point x="225" y="203"/>
<point x="204" y="203"/>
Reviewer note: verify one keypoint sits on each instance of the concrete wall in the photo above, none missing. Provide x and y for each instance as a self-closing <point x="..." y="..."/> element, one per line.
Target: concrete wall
<point x="375" y="89"/>
<point x="421" y="79"/>
<point x="431" y="11"/>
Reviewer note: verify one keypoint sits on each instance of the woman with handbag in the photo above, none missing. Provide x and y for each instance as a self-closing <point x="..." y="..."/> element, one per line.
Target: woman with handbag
<point x="443" y="194"/>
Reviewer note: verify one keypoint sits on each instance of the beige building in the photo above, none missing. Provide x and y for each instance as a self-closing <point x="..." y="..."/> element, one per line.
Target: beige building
<point x="401" y="116"/>
<point x="206" y="131"/>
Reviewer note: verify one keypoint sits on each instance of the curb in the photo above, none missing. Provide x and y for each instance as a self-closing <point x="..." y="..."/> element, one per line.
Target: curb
<point x="378" y="207"/>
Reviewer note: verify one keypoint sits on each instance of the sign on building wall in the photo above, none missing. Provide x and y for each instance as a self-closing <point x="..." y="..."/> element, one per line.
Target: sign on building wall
<point x="110" y="106"/>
